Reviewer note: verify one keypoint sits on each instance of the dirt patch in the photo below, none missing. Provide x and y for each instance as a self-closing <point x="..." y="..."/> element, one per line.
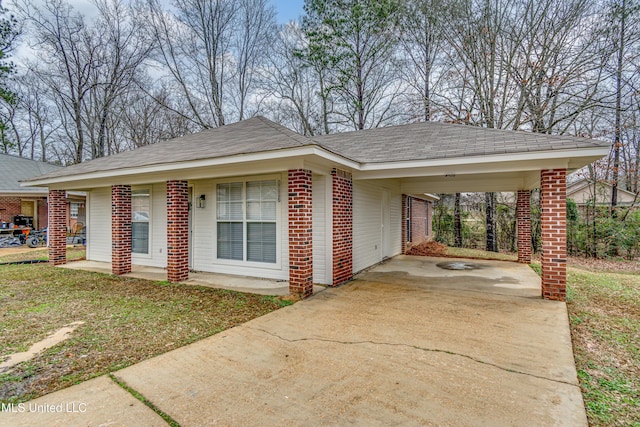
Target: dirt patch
<point x="51" y="340"/>
<point x="428" y="248"/>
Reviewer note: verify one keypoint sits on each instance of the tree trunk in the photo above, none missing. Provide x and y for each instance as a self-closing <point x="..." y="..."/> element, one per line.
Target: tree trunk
<point x="457" y="224"/>
<point x="492" y="241"/>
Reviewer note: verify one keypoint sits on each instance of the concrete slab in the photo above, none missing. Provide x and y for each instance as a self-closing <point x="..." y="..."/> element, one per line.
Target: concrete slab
<point x="391" y="348"/>
<point x="407" y="343"/>
<point x="212" y="280"/>
<point x="97" y="402"/>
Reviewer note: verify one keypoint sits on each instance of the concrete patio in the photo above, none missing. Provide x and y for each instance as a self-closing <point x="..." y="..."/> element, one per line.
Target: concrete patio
<point x="407" y="343"/>
<point x="212" y="280"/>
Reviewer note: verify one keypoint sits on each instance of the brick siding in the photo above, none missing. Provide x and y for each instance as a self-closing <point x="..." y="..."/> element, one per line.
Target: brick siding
<point x="300" y="232"/>
<point x="121" y="229"/>
<point x="553" y="215"/>
<point x="177" y="231"/>
<point x="342" y="197"/>
<point x="523" y="210"/>
<point x="418" y="227"/>
<point x="57" y="232"/>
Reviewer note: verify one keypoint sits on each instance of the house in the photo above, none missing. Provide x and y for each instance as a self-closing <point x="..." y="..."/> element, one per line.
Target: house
<point x="256" y="199"/>
<point x="585" y="193"/>
<point x="28" y="205"/>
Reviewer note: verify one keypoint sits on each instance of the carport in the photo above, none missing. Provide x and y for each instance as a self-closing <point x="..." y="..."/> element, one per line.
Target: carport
<point x="471" y="159"/>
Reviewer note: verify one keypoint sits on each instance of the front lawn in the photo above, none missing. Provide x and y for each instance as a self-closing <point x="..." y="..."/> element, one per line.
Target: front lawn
<point x="125" y="321"/>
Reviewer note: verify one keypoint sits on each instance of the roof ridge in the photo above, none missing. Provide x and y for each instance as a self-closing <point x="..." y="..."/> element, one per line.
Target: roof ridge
<point x="301" y="139"/>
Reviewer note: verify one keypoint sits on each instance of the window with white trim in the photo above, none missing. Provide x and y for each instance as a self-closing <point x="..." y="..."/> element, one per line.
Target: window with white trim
<point x="140" y="219"/>
<point x="246" y="220"/>
<point x="73" y="209"/>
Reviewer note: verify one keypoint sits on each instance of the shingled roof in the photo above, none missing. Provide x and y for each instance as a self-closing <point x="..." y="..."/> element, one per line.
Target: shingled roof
<point x="14" y="169"/>
<point x="254" y="135"/>
<point x="417" y="141"/>
<point x="434" y="140"/>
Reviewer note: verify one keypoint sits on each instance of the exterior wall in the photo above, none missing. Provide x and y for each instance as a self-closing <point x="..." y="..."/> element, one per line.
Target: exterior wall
<point x="583" y="194"/>
<point x="369" y="212"/>
<point x="9" y="207"/>
<point x="205" y="237"/>
<point x="321" y="232"/>
<point x="418" y="227"/>
<point x="99" y="225"/>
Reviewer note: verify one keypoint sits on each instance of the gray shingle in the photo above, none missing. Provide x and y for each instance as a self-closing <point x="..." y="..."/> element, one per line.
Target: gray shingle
<point x="249" y="136"/>
<point x="417" y="141"/>
<point x="14" y="169"/>
<point x="434" y="140"/>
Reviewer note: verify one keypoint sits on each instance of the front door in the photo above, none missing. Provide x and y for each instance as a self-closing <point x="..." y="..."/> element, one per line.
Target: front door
<point x="190" y="232"/>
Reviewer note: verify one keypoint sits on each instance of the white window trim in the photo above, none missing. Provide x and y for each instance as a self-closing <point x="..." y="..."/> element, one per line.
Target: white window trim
<point x="279" y="206"/>
<point x="149" y="254"/>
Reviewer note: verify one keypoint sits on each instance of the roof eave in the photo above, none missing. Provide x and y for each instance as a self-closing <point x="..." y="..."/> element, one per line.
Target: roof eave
<point x="176" y="168"/>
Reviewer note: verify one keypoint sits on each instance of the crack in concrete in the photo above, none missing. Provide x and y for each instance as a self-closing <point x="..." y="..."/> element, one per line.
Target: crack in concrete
<point x="430" y="350"/>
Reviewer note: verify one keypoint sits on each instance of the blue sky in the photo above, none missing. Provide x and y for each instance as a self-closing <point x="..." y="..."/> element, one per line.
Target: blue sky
<point x="288" y="9"/>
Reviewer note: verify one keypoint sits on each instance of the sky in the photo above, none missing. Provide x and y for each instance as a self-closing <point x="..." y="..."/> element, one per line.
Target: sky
<point x="288" y="9"/>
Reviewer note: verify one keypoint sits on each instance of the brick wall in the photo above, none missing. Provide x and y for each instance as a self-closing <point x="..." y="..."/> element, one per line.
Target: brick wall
<point x="342" y="197"/>
<point x="43" y="220"/>
<point x="57" y="232"/>
<point x="177" y="231"/>
<point x="300" y="232"/>
<point x="523" y="210"/>
<point x="418" y="228"/>
<point x="554" y="224"/>
<point x="9" y="207"/>
<point x="121" y="229"/>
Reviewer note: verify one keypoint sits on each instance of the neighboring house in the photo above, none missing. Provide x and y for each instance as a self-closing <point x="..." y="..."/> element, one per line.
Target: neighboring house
<point x="28" y="205"/>
<point x="584" y="192"/>
<point x="254" y="198"/>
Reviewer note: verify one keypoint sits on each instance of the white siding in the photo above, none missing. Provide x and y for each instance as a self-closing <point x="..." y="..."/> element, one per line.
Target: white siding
<point x="368" y="216"/>
<point x="204" y="235"/>
<point x="99" y="225"/>
<point x="157" y="256"/>
<point x="320" y="229"/>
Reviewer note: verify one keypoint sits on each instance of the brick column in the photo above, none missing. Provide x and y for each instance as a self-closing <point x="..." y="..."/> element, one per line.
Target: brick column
<point x="553" y="217"/>
<point x="177" y="231"/>
<point x="405" y="203"/>
<point x="523" y="212"/>
<point x="300" y="233"/>
<point x="57" y="227"/>
<point x="120" y="229"/>
<point x="342" y="197"/>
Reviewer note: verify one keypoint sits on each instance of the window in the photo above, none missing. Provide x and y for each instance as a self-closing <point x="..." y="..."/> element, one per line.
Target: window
<point x="246" y="217"/>
<point x="140" y="216"/>
<point x="73" y="210"/>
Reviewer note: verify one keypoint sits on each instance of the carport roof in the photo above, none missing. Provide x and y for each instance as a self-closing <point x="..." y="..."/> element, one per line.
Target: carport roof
<point x="435" y="140"/>
<point x="418" y="145"/>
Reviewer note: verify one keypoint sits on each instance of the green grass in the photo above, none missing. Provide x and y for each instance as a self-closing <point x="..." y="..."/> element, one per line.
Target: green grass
<point x="126" y="320"/>
<point x="74" y="253"/>
<point x="604" y="313"/>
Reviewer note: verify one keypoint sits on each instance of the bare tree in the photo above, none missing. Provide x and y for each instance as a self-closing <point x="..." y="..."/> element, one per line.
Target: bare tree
<point x="357" y="40"/>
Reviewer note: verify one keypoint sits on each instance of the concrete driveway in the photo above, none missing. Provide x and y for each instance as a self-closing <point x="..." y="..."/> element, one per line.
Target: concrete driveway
<point x="406" y="343"/>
